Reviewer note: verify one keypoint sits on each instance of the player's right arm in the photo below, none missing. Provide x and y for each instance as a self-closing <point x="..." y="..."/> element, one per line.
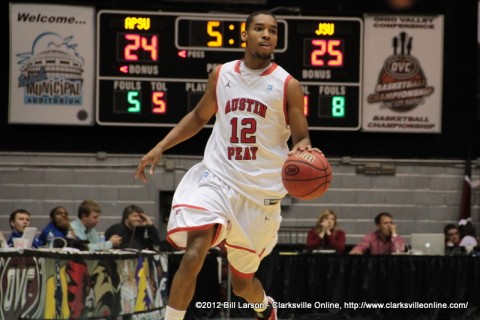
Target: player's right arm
<point x="190" y="125"/>
<point x="298" y="121"/>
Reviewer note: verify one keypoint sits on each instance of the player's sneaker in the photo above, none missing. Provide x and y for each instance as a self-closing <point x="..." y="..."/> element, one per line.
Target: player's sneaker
<point x="268" y="314"/>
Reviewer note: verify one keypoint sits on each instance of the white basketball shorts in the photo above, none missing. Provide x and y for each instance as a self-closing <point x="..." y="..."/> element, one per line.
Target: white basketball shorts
<point x="249" y="229"/>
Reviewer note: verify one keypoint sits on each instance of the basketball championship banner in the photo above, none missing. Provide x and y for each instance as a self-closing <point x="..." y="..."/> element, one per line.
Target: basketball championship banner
<point x="51" y="64"/>
<point x="403" y="73"/>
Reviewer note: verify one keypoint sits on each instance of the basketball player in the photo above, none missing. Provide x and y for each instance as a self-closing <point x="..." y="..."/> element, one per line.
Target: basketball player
<point x="235" y="192"/>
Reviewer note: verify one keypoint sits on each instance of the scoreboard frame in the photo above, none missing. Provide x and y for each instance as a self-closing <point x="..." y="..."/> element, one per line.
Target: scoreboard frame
<point x="151" y="70"/>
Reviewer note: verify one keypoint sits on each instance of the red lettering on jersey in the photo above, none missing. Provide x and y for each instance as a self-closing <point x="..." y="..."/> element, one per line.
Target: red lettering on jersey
<point x="238" y="153"/>
<point x="241" y="105"/>
<point x="242" y="153"/>
<point x="246" y="154"/>
<point x="250" y="102"/>
<point x="227" y="107"/>
<point x="260" y="109"/>
<point x="230" y="152"/>
<point x="253" y="151"/>
<point x="246" y="104"/>
<point x="234" y="104"/>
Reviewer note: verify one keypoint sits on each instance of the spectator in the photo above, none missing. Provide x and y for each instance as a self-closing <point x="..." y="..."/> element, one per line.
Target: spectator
<point x="59" y="225"/>
<point x="136" y="230"/>
<point x="3" y="241"/>
<point x="19" y="220"/>
<point x="84" y="227"/>
<point x="452" y="236"/>
<point x="468" y="236"/>
<point x="325" y="234"/>
<point x="384" y="240"/>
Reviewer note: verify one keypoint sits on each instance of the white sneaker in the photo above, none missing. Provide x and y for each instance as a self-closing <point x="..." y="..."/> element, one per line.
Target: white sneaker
<point x="271" y="309"/>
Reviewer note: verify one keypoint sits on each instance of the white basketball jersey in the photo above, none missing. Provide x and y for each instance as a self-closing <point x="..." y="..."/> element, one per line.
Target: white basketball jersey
<point x="248" y="144"/>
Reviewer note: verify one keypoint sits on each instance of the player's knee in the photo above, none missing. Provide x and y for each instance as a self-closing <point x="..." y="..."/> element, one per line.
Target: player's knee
<point x="192" y="262"/>
<point x="241" y="287"/>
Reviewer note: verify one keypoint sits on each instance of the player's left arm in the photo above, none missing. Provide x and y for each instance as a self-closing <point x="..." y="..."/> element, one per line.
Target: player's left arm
<point x="298" y="121"/>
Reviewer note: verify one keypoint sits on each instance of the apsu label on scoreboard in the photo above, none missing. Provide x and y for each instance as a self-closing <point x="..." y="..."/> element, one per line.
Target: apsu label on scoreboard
<point x="403" y="78"/>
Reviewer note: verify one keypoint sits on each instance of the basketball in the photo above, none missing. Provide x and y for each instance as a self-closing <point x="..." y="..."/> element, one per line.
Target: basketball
<point x="306" y="175"/>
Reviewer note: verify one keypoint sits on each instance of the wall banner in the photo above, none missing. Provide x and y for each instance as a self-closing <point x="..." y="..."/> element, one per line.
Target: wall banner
<point x="403" y="73"/>
<point x="51" y="64"/>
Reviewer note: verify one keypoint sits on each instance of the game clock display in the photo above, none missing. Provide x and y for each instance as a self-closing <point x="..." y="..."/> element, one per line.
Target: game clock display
<point x="153" y="66"/>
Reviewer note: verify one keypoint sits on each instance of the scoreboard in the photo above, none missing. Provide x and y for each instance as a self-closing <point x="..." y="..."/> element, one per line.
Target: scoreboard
<point x="152" y="67"/>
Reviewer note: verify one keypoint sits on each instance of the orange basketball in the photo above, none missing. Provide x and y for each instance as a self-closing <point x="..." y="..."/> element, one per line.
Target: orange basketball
<point x="306" y="175"/>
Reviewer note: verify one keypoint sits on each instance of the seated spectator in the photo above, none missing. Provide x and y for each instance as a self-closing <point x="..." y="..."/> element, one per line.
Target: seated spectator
<point x="384" y="240"/>
<point x="84" y="227"/>
<point x="325" y="234"/>
<point x="3" y="241"/>
<point x="452" y="236"/>
<point x="59" y="226"/>
<point x="136" y="230"/>
<point x="19" y="220"/>
<point x="468" y="236"/>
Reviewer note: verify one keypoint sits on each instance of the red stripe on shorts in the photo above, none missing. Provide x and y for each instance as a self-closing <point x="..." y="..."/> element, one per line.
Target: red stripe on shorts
<point x="261" y="253"/>
<point x="196" y="228"/>
<point x="188" y="206"/>
<point x="241" y="274"/>
<point x="238" y="247"/>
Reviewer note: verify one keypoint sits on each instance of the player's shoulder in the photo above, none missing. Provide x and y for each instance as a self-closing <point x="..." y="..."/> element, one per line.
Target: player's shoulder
<point x="278" y="71"/>
<point x="229" y="66"/>
<point x="222" y="68"/>
<point x="279" y="68"/>
<point x="231" y="63"/>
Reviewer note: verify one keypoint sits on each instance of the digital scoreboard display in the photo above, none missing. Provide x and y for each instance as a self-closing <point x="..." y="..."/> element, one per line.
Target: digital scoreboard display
<point x="152" y="67"/>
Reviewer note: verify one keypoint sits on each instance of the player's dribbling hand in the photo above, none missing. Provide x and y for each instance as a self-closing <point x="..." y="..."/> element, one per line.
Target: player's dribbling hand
<point x="153" y="158"/>
<point x="300" y="148"/>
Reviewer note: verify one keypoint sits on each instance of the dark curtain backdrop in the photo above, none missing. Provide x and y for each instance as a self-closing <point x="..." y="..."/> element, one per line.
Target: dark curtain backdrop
<point x="341" y="279"/>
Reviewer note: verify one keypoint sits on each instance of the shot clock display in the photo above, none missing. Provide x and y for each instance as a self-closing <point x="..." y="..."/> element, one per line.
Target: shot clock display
<point x="153" y="66"/>
<point x="207" y="33"/>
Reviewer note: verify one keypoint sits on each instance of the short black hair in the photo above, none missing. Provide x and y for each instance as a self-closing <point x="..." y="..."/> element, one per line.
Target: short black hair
<point x="129" y="210"/>
<point x="379" y="216"/>
<point x="449" y="227"/>
<point x="54" y="211"/>
<point x="252" y="15"/>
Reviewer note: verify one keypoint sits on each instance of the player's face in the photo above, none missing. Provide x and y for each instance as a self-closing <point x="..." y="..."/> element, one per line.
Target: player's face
<point x="22" y="220"/>
<point x="261" y="36"/>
